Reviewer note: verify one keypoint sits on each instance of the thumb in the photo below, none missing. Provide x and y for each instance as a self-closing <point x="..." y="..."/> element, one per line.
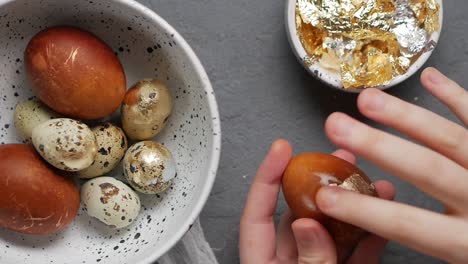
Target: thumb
<point x="314" y="244"/>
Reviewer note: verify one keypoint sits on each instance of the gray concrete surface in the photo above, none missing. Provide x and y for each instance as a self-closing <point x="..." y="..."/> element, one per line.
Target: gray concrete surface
<point x="263" y="94"/>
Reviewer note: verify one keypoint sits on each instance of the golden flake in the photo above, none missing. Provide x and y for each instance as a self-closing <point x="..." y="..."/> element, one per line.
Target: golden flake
<point x="427" y="14"/>
<point x="356" y="183"/>
<point x="369" y="42"/>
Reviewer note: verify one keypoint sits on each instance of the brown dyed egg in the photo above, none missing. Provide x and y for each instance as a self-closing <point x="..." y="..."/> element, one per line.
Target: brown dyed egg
<point x="34" y="198"/>
<point x="75" y="73"/>
<point x="307" y="173"/>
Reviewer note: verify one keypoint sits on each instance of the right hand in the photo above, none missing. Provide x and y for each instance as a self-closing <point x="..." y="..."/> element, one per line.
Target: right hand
<point x="439" y="168"/>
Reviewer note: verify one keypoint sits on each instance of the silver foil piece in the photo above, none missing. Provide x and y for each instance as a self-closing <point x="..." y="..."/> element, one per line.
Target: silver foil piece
<point x="342" y="47"/>
<point x="411" y="37"/>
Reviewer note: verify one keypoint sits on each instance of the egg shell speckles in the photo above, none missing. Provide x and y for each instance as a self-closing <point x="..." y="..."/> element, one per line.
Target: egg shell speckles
<point x="192" y="133"/>
<point x="110" y="201"/>
<point x="65" y="143"/>
<point x="146" y="109"/>
<point x="29" y="114"/>
<point x="112" y="144"/>
<point x="149" y="167"/>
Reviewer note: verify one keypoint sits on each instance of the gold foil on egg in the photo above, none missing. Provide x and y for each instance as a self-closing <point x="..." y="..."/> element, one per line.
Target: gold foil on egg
<point x="356" y="183"/>
<point x="369" y="42"/>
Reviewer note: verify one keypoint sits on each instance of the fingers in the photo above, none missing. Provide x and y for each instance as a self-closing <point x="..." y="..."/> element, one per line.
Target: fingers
<point x="431" y="233"/>
<point x="385" y="190"/>
<point x="435" y="174"/>
<point x="314" y="244"/>
<point x="345" y="155"/>
<point x="438" y="133"/>
<point x="371" y="248"/>
<point x="286" y="250"/>
<point x="446" y="90"/>
<point x="257" y="229"/>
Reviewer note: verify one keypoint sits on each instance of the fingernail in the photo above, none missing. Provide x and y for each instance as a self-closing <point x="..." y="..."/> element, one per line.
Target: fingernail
<point x="342" y="126"/>
<point x="375" y="101"/>
<point x="305" y="232"/>
<point x="276" y="146"/>
<point x="327" y="197"/>
<point x="436" y="77"/>
<point x="310" y="237"/>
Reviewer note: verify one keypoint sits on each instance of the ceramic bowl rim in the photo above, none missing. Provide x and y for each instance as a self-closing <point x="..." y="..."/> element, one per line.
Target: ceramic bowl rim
<point x="215" y="152"/>
<point x="299" y="51"/>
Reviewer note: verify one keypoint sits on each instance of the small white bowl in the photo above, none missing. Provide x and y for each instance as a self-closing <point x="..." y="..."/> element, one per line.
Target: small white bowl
<point x="147" y="47"/>
<point x="332" y="78"/>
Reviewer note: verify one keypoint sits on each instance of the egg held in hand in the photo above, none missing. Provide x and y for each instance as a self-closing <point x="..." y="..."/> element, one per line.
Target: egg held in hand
<point x="307" y="173"/>
<point x="149" y="167"/>
<point x="146" y="109"/>
<point x="75" y="73"/>
<point x="111" y="144"/>
<point x="34" y="198"/>
<point x="65" y="143"/>
<point x="110" y="201"/>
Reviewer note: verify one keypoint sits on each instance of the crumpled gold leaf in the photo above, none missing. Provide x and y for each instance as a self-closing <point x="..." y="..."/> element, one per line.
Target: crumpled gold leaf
<point x="312" y="39"/>
<point x="356" y="183"/>
<point x="427" y="14"/>
<point x="369" y="42"/>
<point x="370" y="68"/>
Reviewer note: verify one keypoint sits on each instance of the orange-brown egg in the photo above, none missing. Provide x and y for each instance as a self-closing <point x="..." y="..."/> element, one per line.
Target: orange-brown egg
<point x="307" y="173"/>
<point x="34" y="197"/>
<point x="75" y="73"/>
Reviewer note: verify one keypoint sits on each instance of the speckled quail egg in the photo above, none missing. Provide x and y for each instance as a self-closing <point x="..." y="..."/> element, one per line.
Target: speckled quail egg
<point x="65" y="143"/>
<point x="29" y="114"/>
<point x="112" y="144"/>
<point x="110" y="201"/>
<point x="146" y="109"/>
<point x="149" y="167"/>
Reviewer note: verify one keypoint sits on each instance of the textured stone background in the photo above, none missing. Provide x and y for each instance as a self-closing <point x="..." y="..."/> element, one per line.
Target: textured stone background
<point x="263" y="94"/>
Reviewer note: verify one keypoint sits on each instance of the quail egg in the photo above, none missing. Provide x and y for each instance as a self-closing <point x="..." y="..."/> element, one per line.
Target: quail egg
<point x="110" y="201"/>
<point x="149" y="167"/>
<point x="29" y="114"/>
<point x="111" y="144"/>
<point x="65" y="143"/>
<point x="146" y="109"/>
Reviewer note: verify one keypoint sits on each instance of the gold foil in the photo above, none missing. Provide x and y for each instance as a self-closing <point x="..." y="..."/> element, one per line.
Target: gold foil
<point x="369" y="42"/>
<point x="312" y="41"/>
<point x="427" y="14"/>
<point x="356" y="183"/>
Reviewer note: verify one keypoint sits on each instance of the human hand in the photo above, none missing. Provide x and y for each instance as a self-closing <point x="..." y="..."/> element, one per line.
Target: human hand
<point x="439" y="169"/>
<point x="303" y="241"/>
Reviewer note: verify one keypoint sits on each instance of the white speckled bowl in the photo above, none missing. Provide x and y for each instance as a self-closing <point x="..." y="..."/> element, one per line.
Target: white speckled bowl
<point x="148" y="47"/>
<point x="332" y="78"/>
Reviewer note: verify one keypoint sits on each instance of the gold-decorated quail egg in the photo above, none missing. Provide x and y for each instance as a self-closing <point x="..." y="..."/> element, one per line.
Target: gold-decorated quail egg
<point x="149" y="167"/>
<point x="65" y="143"/>
<point x="146" y="109"/>
<point x="111" y="144"/>
<point x="29" y="114"/>
<point x="110" y="201"/>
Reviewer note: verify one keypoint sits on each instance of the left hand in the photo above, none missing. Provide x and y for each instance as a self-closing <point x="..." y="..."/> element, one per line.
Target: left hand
<point x="302" y="241"/>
